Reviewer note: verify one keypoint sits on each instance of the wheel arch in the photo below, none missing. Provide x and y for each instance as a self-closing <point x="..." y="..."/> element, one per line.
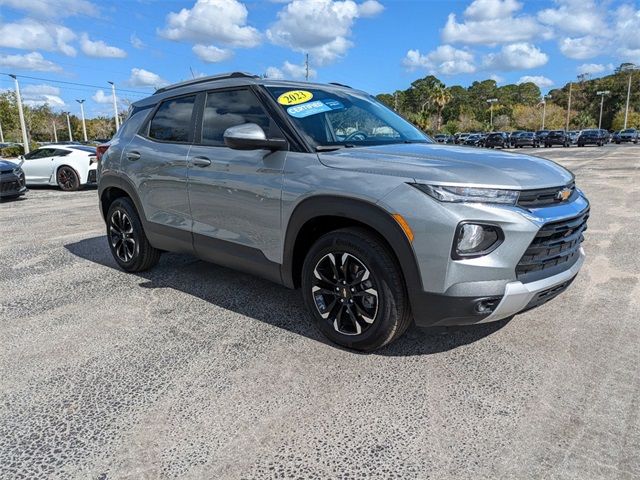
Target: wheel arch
<point x="75" y="170"/>
<point x="112" y="187"/>
<point x="318" y="215"/>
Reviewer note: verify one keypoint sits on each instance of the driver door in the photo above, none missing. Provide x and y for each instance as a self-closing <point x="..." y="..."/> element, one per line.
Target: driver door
<point x="38" y="165"/>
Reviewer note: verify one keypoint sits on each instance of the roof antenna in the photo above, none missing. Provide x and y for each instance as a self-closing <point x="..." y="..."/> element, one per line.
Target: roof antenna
<point x="193" y="75"/>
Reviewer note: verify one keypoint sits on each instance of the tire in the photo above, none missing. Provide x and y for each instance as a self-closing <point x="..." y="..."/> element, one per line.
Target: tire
<point x="67" y="179"/>
<point x="127" y="241"/>
<point x="381" y="311"/>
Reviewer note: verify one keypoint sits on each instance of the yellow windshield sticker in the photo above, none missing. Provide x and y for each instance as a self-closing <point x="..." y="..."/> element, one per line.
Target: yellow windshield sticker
<point x="294" y="97"/>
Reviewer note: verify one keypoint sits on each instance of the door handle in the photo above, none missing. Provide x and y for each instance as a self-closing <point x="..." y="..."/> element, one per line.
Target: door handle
<point x="133" y="156"/>
<point x="200" y="161"/>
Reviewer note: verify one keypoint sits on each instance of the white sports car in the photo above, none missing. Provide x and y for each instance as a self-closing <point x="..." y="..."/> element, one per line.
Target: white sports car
<point x="67" y="166"/>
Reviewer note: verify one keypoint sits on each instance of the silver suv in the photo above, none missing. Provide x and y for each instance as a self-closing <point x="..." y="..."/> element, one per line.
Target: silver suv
<point x="324" y="188"/>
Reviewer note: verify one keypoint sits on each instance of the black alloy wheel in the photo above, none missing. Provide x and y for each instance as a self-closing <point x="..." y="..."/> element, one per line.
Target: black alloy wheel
<point x="67" y="179"/>
<point x="127" y="241"/>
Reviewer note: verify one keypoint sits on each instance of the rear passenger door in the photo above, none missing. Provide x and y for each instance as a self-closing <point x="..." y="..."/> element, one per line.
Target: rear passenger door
<point x="156" y="162"/>
<point x="235" y="195"/>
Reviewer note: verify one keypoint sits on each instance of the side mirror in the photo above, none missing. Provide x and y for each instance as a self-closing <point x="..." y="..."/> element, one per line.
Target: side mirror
<point x="250" y="136"/>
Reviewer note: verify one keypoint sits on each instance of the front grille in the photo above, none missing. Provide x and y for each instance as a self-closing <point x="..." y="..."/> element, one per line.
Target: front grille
<point x="543" y="197"/>
<point x="555" y="248"/>
<point x="10" y="186"/>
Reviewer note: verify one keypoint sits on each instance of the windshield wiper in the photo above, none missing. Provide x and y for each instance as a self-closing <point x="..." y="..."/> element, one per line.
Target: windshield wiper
<point x="331" y="148"/>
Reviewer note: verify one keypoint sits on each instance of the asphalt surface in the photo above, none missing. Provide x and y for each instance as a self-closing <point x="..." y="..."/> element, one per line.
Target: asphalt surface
<point x="194" y="371"/>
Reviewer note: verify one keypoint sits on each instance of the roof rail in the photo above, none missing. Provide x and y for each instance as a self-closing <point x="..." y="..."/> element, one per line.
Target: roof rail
<point x="339" y="84"/>
<point x="210" y="78"/>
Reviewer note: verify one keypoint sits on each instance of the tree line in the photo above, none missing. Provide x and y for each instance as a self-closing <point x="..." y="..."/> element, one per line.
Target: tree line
<point x="434" y="107"/>
<point x="40" y="121"/>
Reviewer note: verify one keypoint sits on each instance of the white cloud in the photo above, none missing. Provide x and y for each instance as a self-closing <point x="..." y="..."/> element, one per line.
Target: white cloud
<point x="30" y="61"/>
<point x="445" y="60"/>
<point x="290" y="71"/>
<point x="144" y="78"/>
<point x="592" y="68"/>
<point x="492" y="31"/>
<point x="37" y="95"/>
<point x="491" y="9"/>
<point x="575" y="17"/>
<point x="99" y="49"/>
<point x="496" y="78"/>
<point x="29" y="34"/>
<point x="212" y="21"/>
<point x="136" y="42"/>
<point x="517" y="56"/>
<point x="626" y="38"/>
<point x="101" y="97"/>
<point x="211" y="53"/>
<point x="582" y="47"/>
<point x="539" y="80"/>
<point x="53" y="8"/>
<point x="321" y="28"/>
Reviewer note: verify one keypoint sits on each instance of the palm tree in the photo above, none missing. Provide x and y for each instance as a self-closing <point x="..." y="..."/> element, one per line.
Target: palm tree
<point x="439" y="96"/>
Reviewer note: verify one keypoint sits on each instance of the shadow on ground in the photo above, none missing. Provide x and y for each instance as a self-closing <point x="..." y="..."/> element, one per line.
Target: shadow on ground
<point x="266" y="301"/>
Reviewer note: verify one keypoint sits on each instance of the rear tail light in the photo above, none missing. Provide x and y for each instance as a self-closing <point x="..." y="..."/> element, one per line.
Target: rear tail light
<point x="100" y="151"/>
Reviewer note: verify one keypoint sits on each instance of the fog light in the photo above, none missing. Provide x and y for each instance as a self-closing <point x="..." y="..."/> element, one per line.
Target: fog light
<point x="475" y="240"/>
<point x="487" y="305"/>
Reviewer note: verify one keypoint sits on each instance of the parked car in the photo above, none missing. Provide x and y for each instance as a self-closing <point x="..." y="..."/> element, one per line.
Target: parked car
<point x="12" y="183"/>
<point x="461" y="137"/>
<point x="497" y="139"/>
<point x="541" y="135"/>
<point x="628" y="135"/>
<point x="473" y="140"/>
<point x="573" y="136"/>
<point x="593" y="136"/>
<point x="557" y="137"/>
<point x="615" y="137"/>
<point x="512" y="136"/>
<point x="441" y="138"/>
<point x="525" y="139"/>
<point x="288" y="180"/>
<point x="69" y="166"/>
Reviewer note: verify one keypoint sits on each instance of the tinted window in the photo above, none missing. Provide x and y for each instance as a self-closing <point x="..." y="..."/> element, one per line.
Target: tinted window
<point x="172" y="120"/>
<point x="228" y="109"/>
<point x="61" y="153"/>
<point x="40" y="153"/>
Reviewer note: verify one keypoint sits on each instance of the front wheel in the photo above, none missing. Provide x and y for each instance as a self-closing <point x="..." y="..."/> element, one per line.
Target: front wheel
<point x="128" y="243"/>
<point x="354" y="289"/>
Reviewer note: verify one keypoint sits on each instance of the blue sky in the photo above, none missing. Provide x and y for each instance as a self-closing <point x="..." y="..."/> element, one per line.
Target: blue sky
<point x="376" y="45"/>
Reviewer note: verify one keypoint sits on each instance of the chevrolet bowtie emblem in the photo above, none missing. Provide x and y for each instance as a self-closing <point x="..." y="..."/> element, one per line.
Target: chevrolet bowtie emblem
<point x="563" y="194"/>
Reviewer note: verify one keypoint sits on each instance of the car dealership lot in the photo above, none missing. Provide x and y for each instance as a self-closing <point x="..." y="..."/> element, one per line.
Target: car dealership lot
<point x="196" y="371"/>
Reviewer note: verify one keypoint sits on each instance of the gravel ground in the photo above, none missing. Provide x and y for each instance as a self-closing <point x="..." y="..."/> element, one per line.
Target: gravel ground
<point x="195" y="371"/>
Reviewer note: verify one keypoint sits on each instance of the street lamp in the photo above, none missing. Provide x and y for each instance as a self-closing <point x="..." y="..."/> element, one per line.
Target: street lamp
<point x="491" y="101"/>
<point x="544" y="109"/>
<point x="602" y="93"/>
<point x="628" y="68"/>
<point x="115" y="104"/>
<point x="84" y="126"/>
<point x="69" y="126"/>
<point x="23" y="127"/>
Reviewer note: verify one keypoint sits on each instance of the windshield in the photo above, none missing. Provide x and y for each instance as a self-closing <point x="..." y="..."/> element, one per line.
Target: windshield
<point x="339" y="118"/>
<point x="629" y="130"/>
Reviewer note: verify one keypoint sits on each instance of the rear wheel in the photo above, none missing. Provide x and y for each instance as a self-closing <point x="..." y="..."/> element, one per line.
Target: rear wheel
<point x="354" y="289"/>
<point x="67" y="179"/>
<point x="127" y="240"/>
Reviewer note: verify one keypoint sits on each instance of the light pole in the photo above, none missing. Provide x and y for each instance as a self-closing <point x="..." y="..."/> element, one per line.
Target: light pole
<point x="23" y="127"/>
<point x="602" y="93"/>
<point x="69" y="126"/>
<point x="491" y="101"/>
<point x="84" y="126"/>
<point x="569" y="107"/>
<point x="630" y="69"/>
<point x="544" y="109"/>
<point x="115" y="104"/>
<point x="55" y="131"/>
<point x="1" y="134"/>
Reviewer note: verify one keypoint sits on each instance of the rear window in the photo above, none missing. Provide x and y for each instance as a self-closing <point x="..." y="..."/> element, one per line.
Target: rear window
<point x="172" y="120"/>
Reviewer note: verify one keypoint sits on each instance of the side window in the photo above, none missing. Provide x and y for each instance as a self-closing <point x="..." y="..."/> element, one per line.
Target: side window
<point x="60" y="153"/>
<point x="172" y="120"/>
<point x="228" y="109"/>
<point x="39" y="153"/>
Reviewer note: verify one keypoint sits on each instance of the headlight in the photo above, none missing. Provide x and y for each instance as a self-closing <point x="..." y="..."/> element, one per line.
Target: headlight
<point x="469" y="194"/>
<point x="475" y="240"/>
